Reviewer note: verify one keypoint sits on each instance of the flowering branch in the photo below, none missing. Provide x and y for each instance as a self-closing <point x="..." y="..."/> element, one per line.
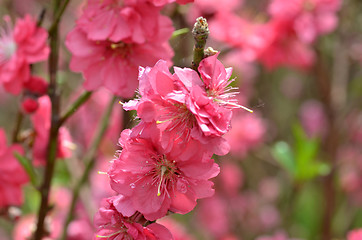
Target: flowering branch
<point x="89" y="163"/>
<point x="201" y="33"/>
<point x="73" y="108"/>
<point x="58" y="16"/>
<point x="54" y="129"/>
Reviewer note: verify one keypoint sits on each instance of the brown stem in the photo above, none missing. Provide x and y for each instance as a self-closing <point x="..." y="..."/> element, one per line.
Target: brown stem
<point x="54" y="129"/>
<point x="19" y="121"/>
<point x="330" y="146"/>
<point x="89" y="163"/>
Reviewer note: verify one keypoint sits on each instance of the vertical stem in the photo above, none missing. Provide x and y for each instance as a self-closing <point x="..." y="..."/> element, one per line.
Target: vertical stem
<point x="53" y="135"/>
<point x="89" y="163"/>
<point x="330" y="146"/>
<point x="19" y="120"/>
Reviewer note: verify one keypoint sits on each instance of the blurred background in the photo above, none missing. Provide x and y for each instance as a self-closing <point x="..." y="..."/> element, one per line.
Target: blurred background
<point x="295" y="166"/>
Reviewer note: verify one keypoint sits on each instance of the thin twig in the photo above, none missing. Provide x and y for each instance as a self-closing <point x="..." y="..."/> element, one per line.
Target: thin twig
<point x="73" y="108"/>
<point x="19" y="121"/>
<point x="57" y="18"/>
<point x="54" y="128"/>
<point x="89" y="163"/>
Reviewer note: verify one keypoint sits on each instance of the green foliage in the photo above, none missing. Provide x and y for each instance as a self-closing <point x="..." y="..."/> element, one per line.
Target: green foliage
<point x="29" y="168"/>
<point x="300" y="161"/>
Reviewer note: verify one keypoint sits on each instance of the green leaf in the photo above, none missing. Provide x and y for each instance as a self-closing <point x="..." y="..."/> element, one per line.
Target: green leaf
<point x="179" y="32"/>
<point x="28" y="167"/>
<point x="284" y="156"/>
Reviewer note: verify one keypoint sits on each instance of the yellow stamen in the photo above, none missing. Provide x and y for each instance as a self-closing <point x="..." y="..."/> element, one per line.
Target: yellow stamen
<point x="234" y="104"/>
<point x="163" y="170"/>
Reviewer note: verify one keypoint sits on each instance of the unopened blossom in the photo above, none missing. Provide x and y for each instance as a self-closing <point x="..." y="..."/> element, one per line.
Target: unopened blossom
<point x="186" y="106"/>
<point x="41" y="122"/>
<point x="12" y="176"/>
<point x="111" y="40"/>
<point x="112" y="225"/>
<point x="20" y="46"/>
<point x="156" y="180"/>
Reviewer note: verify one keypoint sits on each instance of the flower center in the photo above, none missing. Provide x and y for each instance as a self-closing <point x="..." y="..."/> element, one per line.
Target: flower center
<point x="120" y="49"/>
<point x="7" y="42"/>
<point x="165" y="172"/>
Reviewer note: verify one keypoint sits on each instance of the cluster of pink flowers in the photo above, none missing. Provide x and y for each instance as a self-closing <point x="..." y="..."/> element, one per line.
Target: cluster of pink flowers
<point x="286" y="38"/>
<point x="21" y="46"/>
<point x="13" y="176"/>
<point x="165" y="164"/>
<point x="112" y="38"/>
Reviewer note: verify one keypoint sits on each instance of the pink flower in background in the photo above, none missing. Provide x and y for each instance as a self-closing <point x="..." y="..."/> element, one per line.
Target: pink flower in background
<point x="25" y="226"/>
<point x="231" y="177"/>
<point x="247" y="133"/>
<point x="313" y="118"/>
<point x="309" y="18"/>
<point x="112" y="225"/>
<point x="12" y="176"/>
<point x="160" y="3"/>
<point x="157" y="180"/>
<point x="100" y="181"/>
<point x="208" y="8"/>
<point x="283" y="48"/>
<point x="178" y="231"/>
<point x="110" y="41"/>
<point x="213" y="216"/>
<point x="20" y="47"/>
<point x="41" y="122"/>
<point x="355" y="234"/>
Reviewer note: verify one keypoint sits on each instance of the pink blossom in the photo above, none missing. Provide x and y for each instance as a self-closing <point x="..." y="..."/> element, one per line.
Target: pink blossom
<point x="20" y="47"/>
<point x="313" y="118"/>
<point x="210" y="7"/>
<point x="25" y="226"/>
<point x="41" y="122"/>
<point x="185" y="106"/>
<point x="309" y="18"/>
<point x="273" y="43"/>
<point x="231" y="177"/>
<point x="246" y="134"/>
<point x="213" y="216"/>
<point x="112" y="225"/>
<point x="355" y="234"/>
<point x="283" y="48"/>
<point x="99" y="180"/>
<point x="13" y="176"/>
<point x="156" y="180"/>
<point x="178" y="231"/>
<point x="110" y="41"/>
<point x="80" y="229"/>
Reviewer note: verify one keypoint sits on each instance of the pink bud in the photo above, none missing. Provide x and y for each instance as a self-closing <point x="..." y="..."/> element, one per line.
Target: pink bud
<point x="36" y="85"/>
<point x="29" y="105"/>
